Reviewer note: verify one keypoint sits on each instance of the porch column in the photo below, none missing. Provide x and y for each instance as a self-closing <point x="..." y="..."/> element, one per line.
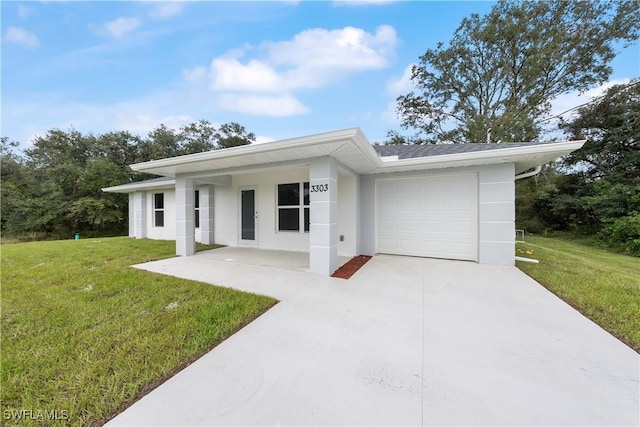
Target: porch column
<point x="185" y="229"/>
<point x="132" y="210"/>
<point x="140" y="214"/>
<point x="323" y="231"/>
<point x="206" y="214"/>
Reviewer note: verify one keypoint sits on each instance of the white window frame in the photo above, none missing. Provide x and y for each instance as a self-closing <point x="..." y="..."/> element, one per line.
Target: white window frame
<point x="300" y="206"/>
<point x="156" y="210"/>
<point x="196" y="209"/>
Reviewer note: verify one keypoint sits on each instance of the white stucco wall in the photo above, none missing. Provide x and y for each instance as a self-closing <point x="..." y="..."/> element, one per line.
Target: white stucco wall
<point x="496" y="210"/>
<point x="347" y="211"/>
<point x="168" y="231"/>
<point x="227" y="210"/>
<point x="132" y="222"/>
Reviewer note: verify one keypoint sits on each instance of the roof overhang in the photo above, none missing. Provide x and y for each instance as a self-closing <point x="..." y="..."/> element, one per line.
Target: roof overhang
<point x="351" y="148"/>
<point x="524" y="158"/>
<point x="143" y="185"/>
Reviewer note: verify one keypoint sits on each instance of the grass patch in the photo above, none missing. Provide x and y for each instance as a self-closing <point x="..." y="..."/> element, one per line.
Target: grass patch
<point x="602" y="285"/>
<point x="202" y="247"/>
<point x="82" y="332"/>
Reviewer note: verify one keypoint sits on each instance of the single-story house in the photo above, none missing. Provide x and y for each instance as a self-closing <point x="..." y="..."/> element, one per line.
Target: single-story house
<point x="335" y="194"/>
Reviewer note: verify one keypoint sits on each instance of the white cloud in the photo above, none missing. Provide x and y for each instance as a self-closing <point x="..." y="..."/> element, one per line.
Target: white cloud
<point x="21" y="37"/>
<point x="121" y="26"/>
<point x="400" y="85"/>
<point x="165" y="10"/>
<point x="318" y="57"/>
<point x="569" y="100"/>
<point x="396" y="86"/>
<point x="261" y="139"/>
<point x="195" y="74"/>
<point x="24" y="11"/>
<point x="389" y="115"/>
<point x="259" y="105"/>
<point x="311" y="59"/>
<point x="230" y="74"/>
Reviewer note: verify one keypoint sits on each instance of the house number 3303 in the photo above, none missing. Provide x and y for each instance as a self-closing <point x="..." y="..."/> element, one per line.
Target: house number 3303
<point x="320" y="188"/>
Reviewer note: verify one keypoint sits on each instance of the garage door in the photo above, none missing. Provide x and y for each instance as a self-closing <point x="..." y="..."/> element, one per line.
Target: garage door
<point x="434" y="217"/>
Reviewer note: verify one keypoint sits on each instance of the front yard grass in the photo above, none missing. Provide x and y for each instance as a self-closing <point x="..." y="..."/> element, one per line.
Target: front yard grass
<point x="604" y="286"/>
<point x="84" y="335"/>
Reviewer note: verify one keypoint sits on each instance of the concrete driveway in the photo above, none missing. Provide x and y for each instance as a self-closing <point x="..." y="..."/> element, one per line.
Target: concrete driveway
<point x="406" y="341"/>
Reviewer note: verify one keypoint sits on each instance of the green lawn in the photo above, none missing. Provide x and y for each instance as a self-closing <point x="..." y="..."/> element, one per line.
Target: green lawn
<point x="84" y="335"/>
<point x="602" y="285"/>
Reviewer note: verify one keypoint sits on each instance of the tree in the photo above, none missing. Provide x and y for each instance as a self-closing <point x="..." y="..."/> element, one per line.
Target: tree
<point x="610" y="162"/>
<point x="198" y="137"/>
<point x="162" y="142"/>
<point x="500" y="72"/>
<point x="232" y="135"/>
<point x="611" y="126"/>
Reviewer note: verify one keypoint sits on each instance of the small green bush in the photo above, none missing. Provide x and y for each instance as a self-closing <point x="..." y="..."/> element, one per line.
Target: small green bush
<point x="624" y="232"/>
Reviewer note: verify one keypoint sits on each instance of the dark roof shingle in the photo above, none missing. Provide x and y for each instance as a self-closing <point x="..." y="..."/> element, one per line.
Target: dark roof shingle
<point x="428" y="150"/>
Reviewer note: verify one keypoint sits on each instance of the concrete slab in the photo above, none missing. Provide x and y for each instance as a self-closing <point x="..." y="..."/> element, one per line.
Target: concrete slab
<point x="287" y="260"/>
<point x="405" y="341"/>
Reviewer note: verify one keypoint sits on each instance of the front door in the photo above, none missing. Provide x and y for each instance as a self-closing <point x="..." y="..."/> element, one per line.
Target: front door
<point x="248" y="216"/>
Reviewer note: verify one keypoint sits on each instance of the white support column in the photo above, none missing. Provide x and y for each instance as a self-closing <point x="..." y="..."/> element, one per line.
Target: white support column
<point x="185" y="229"/>
<point x="140" y="214"/>
<point x="206" y="214"/>
<point x="132" y="210"/>
<point x="323" y="232"/>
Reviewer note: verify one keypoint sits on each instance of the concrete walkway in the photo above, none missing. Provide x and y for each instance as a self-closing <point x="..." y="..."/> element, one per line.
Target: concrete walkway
<point x="406" y="341"/>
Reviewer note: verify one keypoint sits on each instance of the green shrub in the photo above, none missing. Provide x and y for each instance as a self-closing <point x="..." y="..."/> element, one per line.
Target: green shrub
<point x="624" y="232"/>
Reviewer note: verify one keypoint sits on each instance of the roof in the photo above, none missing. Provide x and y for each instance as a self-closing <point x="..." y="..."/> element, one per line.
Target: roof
<point x="415" y="151"/>
<point x="353" y="151"/>
<point x="153" y="183"/>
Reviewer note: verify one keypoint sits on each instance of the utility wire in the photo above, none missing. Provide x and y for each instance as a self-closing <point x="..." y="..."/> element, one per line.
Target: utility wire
<point x="597" y="98"/>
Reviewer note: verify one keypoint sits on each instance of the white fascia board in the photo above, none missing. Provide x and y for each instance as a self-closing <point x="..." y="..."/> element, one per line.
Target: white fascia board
<point x="268" y="147"/>
<point x="501" y="155"/>
<point x="137" y="186"/>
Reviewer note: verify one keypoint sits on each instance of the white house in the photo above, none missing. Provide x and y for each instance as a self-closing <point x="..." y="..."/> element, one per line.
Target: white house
<point x="335" y="194"/>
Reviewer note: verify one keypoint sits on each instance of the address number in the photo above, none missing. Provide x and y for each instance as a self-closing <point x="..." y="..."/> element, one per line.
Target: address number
<point x="321" y="188"/>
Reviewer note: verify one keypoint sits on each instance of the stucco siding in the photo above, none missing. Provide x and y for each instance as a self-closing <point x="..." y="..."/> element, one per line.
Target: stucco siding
<point x="347" y="211"/>
<point x="168" y="231"/>
<point x="132" y="221"/>
<point x="497" y="214"/>
<point x="227" y="210"/>
<point x="496" y="210"/>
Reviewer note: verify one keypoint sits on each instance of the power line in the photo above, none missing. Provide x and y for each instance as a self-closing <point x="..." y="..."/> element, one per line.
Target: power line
<point x="597" y="98"/>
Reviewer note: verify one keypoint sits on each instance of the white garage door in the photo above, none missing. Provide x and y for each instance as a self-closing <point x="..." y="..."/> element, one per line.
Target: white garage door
<point x="434" y="217"/>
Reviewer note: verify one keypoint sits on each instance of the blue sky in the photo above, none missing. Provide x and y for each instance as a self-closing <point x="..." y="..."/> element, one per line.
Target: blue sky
<point x="281" y="69"/>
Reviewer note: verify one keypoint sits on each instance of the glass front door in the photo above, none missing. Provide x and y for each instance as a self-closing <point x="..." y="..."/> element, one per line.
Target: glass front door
<point x="248" y="215"/>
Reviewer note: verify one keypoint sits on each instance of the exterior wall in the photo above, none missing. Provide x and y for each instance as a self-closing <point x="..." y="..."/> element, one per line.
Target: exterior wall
<point x="227" y="210"/>
<point x="496" y="210"/>
<point x="168" y="232"/>
<point x="132" y="222"/>
<point x="497" y="214"/>
<point x="347" y="215"/>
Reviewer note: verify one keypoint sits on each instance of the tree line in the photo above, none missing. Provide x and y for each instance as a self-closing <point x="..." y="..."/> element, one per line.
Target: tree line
<point x="53" y="188"/>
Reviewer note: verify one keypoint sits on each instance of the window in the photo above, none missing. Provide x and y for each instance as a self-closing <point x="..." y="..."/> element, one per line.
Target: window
<point x="158" y="209"/>
<point x="293" y="206"/>
<point x="196" y="203"/>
